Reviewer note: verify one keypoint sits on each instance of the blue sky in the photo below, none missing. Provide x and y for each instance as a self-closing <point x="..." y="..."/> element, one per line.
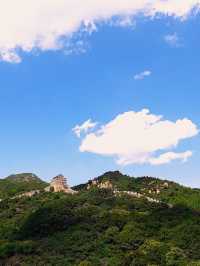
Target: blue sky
<point x="48" y="93"/>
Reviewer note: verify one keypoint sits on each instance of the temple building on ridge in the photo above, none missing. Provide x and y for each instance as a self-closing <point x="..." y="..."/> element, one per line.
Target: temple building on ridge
<point x="59" y="184"/>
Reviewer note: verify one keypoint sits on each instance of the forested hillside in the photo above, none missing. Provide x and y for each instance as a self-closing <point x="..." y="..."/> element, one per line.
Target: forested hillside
<point x="100" y="226"/>
<point x="164" y="190"/>
<point x="16" y="184"/>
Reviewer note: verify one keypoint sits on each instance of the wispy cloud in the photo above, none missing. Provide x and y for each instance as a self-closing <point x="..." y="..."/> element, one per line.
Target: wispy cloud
<point x="140" y="138"/>
<point x="170" y="156"/>
<point x="124" y="22"/>
<point x="87" y="125"/>
<point x="142" y="75"/>
<point x="173" y="40"/>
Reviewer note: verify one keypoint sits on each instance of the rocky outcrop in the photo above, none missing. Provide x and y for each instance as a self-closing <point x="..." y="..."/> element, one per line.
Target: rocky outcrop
<point x="103" y="184"/>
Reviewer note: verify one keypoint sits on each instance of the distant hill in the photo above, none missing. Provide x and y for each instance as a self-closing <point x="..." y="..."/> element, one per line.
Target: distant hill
<point x="23" y="177"/>
<point x="19" y="183"/>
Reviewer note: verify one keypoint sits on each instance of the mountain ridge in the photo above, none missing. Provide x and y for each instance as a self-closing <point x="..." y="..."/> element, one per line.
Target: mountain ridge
<point x="153" y="188"/>
<point x="164" y="190"/>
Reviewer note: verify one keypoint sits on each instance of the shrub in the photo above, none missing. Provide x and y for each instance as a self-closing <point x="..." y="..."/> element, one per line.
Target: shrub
<point x="176" y="257"/>
<point x="153" y="252"/>
<point x="8" y="249"/>
<point x="47" y="220"/>
<point x="85" y="263"/>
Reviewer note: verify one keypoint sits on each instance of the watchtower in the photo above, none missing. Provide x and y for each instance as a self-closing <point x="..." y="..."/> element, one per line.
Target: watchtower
<point x="58" y="184"/>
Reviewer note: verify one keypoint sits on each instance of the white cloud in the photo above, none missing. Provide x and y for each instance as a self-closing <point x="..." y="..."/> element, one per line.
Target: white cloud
<point x="124" y="22"/>
<point x="75" y="47"/>
<point x="172" y="39"/>
<point x="142" y="75"/>
<point x="169" y="156"/>
<point x="44" y="24"/>
<point x="78" y="129"/>
<point x="137" y="138"/>
<point x="10" y="56"/>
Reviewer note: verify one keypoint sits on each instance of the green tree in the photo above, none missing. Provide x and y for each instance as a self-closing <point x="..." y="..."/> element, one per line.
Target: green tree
<point x="131" y="236"/>
<point x="111" y="234"/>
<point x="85" y="263"/>
<point x="176" y="257"/>
<point x="153" y="252"/>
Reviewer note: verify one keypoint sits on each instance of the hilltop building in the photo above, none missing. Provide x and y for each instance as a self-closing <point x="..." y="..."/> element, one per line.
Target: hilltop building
<point x="59" y="184"/>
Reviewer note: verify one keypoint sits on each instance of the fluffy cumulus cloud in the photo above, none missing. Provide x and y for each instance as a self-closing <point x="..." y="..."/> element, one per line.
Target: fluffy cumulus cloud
<point x="87" y="125"/>
<point x="142" y="75"/>
<point x="139" y="138"/>
<point x="44" y="24"/>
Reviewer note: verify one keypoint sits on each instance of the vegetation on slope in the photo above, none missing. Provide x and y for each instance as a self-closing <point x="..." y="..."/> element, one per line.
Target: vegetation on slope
<point x="173" y="193"/>
<point x="16" y="184"/>
<point x="97" y="227"/>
